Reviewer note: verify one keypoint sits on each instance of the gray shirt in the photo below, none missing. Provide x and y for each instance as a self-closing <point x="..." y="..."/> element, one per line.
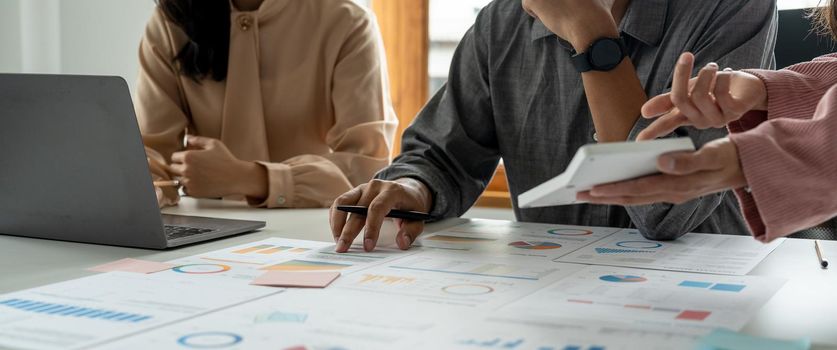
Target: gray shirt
<point x="513" y="94"/>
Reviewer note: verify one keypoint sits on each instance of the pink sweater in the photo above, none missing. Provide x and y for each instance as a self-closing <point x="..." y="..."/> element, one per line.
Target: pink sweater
<point x="789" y="154"/>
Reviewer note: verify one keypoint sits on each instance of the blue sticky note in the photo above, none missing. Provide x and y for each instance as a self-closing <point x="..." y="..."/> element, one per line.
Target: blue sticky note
<point x="728" y="287"/>
<point x="722" y="339"/>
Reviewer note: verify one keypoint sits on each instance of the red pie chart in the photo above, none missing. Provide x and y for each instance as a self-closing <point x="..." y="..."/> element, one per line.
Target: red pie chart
<point x="535" y="245"/>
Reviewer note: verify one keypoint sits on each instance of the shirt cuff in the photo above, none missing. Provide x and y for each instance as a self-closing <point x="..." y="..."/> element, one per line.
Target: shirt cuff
<point x="766" y="218"/>
<point x="748" y="121"/>
<point x="280" y="187"/>
<point x="441" y="207"/>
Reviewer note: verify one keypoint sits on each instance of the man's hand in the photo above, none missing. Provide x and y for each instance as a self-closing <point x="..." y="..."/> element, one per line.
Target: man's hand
<point x="686" y="176"/>
<point x="380" y="197"/>
<point x="209" y="170"/>
<point x="578" y="21"/>
<point x="713" y="99"/>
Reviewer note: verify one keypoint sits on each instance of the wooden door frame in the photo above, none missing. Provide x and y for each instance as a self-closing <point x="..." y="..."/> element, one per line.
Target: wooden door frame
<point x="405" y="29"/>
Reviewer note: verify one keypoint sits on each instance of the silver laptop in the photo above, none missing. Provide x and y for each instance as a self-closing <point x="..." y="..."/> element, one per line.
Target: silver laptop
<point x="73" y="167"/>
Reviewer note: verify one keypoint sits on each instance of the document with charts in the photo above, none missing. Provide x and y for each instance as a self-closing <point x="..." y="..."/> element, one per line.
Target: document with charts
<point x="633" y="296"/>
<point x="556" y="333"/>
<point x="443" y="278"/>
<point x="612" y="308"/>
<point x="514" y="238"/>
<point x="299" y="319"/>
<point x="343" y="319"/>
<point x="91" y="310"/>
<point x="694" y="252"/>
<point x="242" y="263"/>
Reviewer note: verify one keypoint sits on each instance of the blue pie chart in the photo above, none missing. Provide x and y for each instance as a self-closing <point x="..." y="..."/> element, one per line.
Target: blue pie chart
<point x="639" y="244"/>
<point x="209" y="340"/>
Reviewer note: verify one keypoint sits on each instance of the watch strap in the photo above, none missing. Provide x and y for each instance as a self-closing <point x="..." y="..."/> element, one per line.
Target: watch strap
<point x="581" y="61"/>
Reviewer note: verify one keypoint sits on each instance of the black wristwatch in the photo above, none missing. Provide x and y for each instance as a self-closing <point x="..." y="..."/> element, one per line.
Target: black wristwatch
<point x="604" y="55"/>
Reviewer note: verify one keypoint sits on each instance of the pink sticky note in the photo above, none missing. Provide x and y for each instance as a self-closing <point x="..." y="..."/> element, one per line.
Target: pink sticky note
<point x="296" y="279"/>
<point x="132" y="265"/>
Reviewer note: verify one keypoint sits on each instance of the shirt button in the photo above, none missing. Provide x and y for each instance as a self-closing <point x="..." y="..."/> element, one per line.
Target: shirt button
<point x="280" y="200"/>
<point x="245" y="22"/>
<point x="595" y="137"/>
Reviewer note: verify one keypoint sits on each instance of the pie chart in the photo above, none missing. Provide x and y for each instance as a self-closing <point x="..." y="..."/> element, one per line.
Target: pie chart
<point x="535" y="245"/>
<point x="622" y="278"/>
<point x="569" y="232"/>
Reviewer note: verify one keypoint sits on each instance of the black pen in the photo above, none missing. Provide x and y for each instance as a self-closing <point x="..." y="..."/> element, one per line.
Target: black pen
<point x="820" y="256"/>
<point x="394" y="213"/>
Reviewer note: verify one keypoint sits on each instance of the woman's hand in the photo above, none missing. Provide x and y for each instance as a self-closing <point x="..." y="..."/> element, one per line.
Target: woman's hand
<point x="686" y="175"/>
<point x="164" y="200"/>
<point x="711" y="100"/>
<point x="166" y="196"/>
<point x="209" y="170"/>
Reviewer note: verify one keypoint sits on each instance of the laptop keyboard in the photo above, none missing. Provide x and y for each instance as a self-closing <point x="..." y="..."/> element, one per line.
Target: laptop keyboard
<point x="174" y="232"/>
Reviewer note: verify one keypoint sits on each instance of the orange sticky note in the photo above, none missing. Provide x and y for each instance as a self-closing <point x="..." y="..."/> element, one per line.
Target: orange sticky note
<point x="296" y="279"/>
<point x="132" y="265"/>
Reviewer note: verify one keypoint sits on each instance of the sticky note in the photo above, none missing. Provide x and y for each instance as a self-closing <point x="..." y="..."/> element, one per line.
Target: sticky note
<point x="296" y="279"/>
<point x="729" y="340"/>
<point x="132" y="265"/>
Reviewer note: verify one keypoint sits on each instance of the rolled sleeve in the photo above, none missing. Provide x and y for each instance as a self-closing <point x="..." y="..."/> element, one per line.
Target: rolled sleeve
<point x="280" y="183"/>
<point x="452" y="145"/>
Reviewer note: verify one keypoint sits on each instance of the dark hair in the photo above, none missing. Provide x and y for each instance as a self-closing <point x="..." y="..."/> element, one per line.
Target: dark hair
<point x="207" y="24"/>
<point x="826" y="18"/>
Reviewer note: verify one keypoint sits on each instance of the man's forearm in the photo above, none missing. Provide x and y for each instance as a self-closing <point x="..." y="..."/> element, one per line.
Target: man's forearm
<point x="615" y="99"/>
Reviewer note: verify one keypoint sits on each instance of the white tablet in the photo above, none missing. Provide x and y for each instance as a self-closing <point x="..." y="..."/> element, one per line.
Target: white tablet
<point x="598" y="164"/>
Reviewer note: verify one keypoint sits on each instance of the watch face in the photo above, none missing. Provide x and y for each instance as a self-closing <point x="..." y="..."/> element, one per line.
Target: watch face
<point x="606" y="54"/>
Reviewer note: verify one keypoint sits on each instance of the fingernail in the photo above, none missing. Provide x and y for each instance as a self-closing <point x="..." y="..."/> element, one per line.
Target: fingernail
<point x="342" y="245"/>
<point x="668" y="164"/>
<point x="368" y="244"/>
<point x="712" y="65"/>
<point x="728" y="69"/>
<point x="683" y="60"/>
<point x="405" y="241"/>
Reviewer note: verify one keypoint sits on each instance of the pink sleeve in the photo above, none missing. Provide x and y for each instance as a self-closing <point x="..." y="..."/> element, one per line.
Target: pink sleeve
<point x="795" y="91"/>
<point x="790" y="166"/>
<point x="792" y="92"/>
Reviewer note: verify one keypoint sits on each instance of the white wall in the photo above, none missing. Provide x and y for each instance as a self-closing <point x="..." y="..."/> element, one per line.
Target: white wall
<point x="102" y="36"/>
<point x="97" y="37"/>
<point x="10" y="60"/>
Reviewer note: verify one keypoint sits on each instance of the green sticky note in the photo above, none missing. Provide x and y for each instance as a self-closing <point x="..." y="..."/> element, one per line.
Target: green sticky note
<point x="722" y="339"/>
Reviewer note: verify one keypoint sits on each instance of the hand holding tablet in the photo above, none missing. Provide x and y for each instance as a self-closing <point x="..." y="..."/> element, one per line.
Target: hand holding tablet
<point x="599" y="164"/>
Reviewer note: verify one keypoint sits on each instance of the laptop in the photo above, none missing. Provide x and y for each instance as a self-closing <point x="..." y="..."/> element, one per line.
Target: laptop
<point x="73" y="167"/>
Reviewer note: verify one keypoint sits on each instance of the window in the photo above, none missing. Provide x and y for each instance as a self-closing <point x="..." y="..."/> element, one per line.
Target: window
<point x="449" y="20"/>
<point x="797" y="4"/>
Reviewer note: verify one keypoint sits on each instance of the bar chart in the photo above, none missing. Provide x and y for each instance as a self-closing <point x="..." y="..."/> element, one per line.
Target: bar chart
<point x="64" y="310"/>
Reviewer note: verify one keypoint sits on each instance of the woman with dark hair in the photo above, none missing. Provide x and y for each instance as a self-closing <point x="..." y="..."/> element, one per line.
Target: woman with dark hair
<point x="780" y="156"/>
<point x="282" y="102"/>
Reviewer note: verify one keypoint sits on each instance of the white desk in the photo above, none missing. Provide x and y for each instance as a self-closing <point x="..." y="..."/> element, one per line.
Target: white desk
<point x="805" y="307"/>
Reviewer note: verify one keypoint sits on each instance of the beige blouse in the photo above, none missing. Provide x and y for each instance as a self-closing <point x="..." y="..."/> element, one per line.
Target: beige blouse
<point x="306" y="96"/>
